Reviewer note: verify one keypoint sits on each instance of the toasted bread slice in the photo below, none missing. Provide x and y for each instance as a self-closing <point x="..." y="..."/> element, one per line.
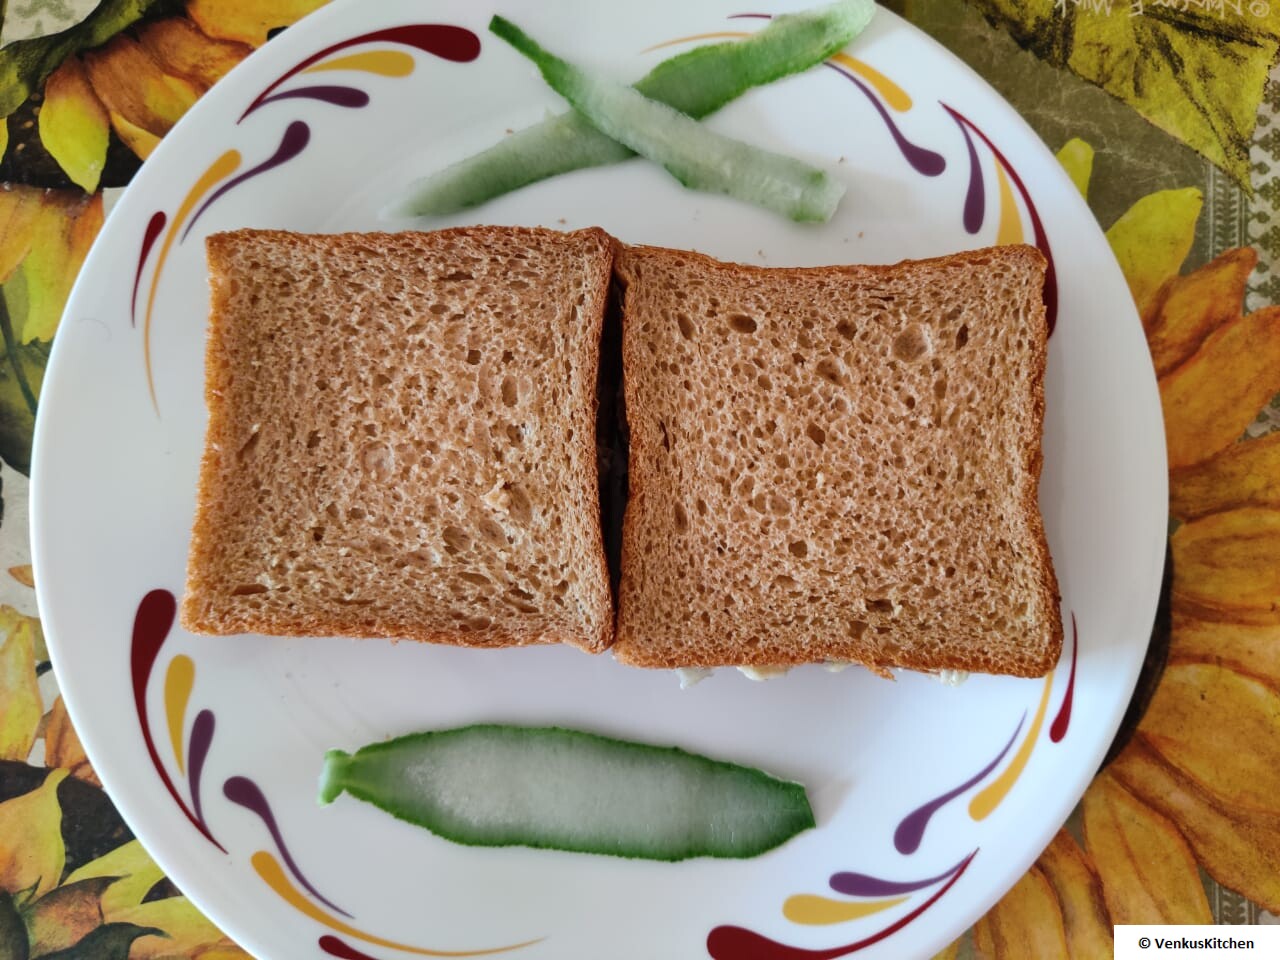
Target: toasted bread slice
<point x="836" y="463"/>
<point x="401" y="438"/>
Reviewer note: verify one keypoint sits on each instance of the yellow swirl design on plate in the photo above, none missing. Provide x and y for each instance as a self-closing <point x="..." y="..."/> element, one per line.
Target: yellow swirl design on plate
<point x="385" y="63"/>
<point x="269" y="869"/>
<point x="1010" y="216"/>
<point x="178" y="682"/>
<point x="720" y="35"/>
<point x="893" y="95"/>
<point x="220" y="169"/>
<point x="985" y="802"/>
<point x="813" y="910"/>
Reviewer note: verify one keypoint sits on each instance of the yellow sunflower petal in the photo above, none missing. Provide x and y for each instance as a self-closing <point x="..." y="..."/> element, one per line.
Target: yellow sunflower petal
<point x="19" y="208"/>
<point x="223" y="950"/>
<point x="1238" y="849"/>
<point x="20" y="704"/>
<point x="61" y="918"/>
<point x="136" y="871"/>
<point x="1226" y="566"/>
<point x="1150" y="241"/>
<point x="38" y="641"/>
<point x="1200" y="714"/>
<point x="33" y="854"/>
<point x="1245" y="474"/>
<point x="1076" y="157"/>
<point x="140" y="141"/>
<point x="60" y="241"/>
<point x="1196" y="304"/>
<point x="83" y="230"/>
<point x="62" y="747"/>
<point x="74" y="126"/>
<point x="1027" y="922"/>
<point x="1214" y="395"/>
<point x="1192" y="76"/>
<point x="1147" y="870"/>
<point x="132" y="86"/>
<point x="1248" y="649"/>
<point x="187" y="928"/>
<point x="1084" y="911"/>
<point x="182" y="50"/>
<point x="248" y="21"/>
<point x="23" y="574"/>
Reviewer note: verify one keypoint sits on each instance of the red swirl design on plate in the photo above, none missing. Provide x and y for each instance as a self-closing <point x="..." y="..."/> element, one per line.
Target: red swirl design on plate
<point x="1063" y="720"/>
<point x="151" y="626"/>
<point x="154" y="226"/>
<point x="341" y="949"/>
<point x="1042" y="240"/>
<point x="440" y="39"/>
<point x="739" y="943"/>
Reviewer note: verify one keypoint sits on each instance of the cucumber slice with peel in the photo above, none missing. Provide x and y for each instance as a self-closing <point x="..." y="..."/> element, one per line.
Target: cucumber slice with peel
<point x="694" y="155"/>
<point x="494" y="785"/>
<point x="696" y="82"/>
<point x="700" y="81"/>
<point x="557" y="145"/>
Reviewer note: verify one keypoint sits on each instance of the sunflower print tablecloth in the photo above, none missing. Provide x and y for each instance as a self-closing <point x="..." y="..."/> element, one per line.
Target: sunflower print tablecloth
<point x="1166" y="114"/>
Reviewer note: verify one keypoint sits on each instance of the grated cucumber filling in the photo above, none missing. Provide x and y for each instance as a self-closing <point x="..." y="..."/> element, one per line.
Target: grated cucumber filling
<point x="690" y="676"/>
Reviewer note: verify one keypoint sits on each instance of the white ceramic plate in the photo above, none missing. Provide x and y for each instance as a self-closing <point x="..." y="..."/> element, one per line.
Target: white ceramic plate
<point x="211" y="747"/>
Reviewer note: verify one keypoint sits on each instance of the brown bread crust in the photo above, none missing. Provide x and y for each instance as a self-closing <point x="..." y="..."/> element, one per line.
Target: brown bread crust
<point x="401" y="438"/>
<point x="837" y="463"/>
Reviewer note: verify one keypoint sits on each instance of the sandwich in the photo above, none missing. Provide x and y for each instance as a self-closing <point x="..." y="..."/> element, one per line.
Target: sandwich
<point x="835" y="464"/>
<point x="402" y="438"/>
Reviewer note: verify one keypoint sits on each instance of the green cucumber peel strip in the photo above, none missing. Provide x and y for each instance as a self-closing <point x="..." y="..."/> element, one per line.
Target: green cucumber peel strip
<point x="697" y="83"/>
<point x="696" y="156"/>
<point x="549" y="787"/>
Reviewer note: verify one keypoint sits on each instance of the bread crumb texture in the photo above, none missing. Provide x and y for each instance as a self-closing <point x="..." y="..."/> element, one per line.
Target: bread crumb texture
<point x="401" y="438"/>
<point x="836" y="464"/>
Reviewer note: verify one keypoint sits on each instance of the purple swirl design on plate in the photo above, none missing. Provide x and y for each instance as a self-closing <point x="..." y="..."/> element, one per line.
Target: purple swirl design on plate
<point x="738" y="943"/>
<point x="1063" y="720"/>
<point x="246" y="793"/>
<point x="1037" y="226"/>
<point x="154" y="227"/>
<point x="151" y="625"/>
<point x="861" y="885"/>
<point x="923" y="160"/>
<point x="296" y="137"/>
<point x="906" y="839"/>
<point x="339" y="96"/>
<point x="442" y="40"/>
<point x="930" y="163"/>
<point x="197" y="753"/>
<point x="975" y="197"/>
